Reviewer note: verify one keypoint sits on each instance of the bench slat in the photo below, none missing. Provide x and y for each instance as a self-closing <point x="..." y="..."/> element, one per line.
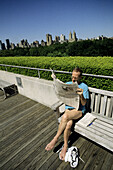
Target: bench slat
<point x="92" y="101"/>
<point x="94" y="128"/>
<point x="104" y="105"/>
<point x="103" y="118"/>
<point x="93" y="135"/>
<point x="106" y="124"/>
<point x="104" y="127"/>
<point x="110" y="114"/>
<point x="98" y="103"/>
<point x="102" y="132"/>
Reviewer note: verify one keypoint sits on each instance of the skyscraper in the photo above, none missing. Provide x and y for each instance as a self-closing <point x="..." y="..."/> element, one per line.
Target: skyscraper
<point x="49" y="39"/>
<point x="8" y="46"/>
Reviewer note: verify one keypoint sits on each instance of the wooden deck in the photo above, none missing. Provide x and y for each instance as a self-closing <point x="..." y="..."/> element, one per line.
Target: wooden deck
<point x="27" y="126"/>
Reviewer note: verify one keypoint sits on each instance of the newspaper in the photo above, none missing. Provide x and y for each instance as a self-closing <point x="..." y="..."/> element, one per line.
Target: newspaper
<point x="67" y="93"/>
<point x="87" y="120"/>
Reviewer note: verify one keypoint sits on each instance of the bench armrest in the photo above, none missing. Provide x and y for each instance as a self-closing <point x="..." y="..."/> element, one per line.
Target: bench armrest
<point x="56" y="105"/>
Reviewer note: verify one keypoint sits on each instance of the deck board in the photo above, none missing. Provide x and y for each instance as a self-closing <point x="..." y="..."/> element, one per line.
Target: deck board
<point x="27" y="126"/>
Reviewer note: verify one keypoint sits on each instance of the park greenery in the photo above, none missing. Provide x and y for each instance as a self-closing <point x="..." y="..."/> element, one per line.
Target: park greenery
<point x="91" y="65"/>
<point x="79" y="48"/>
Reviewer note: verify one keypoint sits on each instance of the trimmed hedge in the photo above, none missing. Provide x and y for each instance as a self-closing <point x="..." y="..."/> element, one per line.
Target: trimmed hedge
<point x="90" y="65"/>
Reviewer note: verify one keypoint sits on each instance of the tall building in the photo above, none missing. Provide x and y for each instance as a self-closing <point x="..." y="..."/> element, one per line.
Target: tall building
<point x="73" y="37"/>
<point x="12" y="45"/>
<point x="57" y="38"/>
<point x="21" y="44"/>
<point x="24" y="43"/>
<point x="36" y="43"/>
<point x="3" y="46"/>
<point x="43" y="43"/>
<point x="62" y="37"/>
<point x="70" y="36"/>
<point x="49" y="39"/>
<point x="8" y="46"/>
<point x="0" y="44"/>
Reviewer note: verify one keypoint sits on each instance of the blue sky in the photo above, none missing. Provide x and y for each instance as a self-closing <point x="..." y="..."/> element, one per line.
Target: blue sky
<point x="33" y="19"/>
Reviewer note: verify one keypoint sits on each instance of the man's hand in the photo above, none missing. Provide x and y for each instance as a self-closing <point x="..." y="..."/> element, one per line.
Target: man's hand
<point x="79" y="91"/>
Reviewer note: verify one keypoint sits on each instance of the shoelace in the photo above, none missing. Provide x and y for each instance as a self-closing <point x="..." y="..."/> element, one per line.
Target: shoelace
<point x="81" y="159"/>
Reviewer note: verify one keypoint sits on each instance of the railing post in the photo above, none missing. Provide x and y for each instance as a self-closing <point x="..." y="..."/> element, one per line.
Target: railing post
<point x="38" y="73"/>
<point x="5" y="68"/>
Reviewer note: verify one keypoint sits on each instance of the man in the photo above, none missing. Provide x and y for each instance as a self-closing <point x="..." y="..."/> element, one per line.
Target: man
<point x="71" y="113"/>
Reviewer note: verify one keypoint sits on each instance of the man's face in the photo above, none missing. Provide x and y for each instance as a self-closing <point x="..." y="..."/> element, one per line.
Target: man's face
<point x="76" y="76"/>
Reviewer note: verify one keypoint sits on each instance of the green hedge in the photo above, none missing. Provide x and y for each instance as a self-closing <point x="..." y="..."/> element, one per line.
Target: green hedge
<point x="90" y="65"/>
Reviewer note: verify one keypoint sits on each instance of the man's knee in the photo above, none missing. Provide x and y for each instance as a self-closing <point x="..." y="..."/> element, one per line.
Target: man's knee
<point x="65" y="117"/>
<point x="69" y="124"/>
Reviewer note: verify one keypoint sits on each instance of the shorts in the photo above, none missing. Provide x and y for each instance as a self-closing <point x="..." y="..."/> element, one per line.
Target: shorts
<point x="83" y="110"/>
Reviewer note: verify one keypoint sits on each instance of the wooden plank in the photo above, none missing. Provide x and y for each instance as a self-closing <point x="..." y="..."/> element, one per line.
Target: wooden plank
<point x="104" y="118"/>
<point x="92" y="101"/>
<point x="21" y="130"/>
<point x="94" y="137"/>
<point x="42" y="156"/>
<point x="17" y="120"/>
<point x="96" y="159"/>
<point x="104" y="105"/>
<point x="102" y="132"/>
<point x="100" y="129"/>
<point x="106" y="124"/>
<point x="14" y="111"/>
<point x="108" y="162"/>
<point x="31" y="130"/>
<point x="28" y="148"/>
<point x="11" y="102"/>
<point x="98" y="103"/>
<point x="110" y="111"/>
<point x="108" y="114"/>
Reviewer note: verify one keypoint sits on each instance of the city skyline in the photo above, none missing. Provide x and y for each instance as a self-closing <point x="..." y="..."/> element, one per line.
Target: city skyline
<point x="32" y="20"/>
<point x="49" y="41"/>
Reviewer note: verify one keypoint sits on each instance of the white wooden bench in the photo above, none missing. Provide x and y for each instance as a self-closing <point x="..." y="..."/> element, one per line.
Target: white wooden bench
<point x="7" y="88"/>
<point x="101" y="106"/>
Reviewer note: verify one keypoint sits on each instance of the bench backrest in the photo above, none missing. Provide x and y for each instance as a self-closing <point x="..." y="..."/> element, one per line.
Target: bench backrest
<point x="101" y="102"/>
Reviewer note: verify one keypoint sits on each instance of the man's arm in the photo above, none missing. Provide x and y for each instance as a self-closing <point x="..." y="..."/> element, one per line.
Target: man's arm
<point x="82" y="99"/>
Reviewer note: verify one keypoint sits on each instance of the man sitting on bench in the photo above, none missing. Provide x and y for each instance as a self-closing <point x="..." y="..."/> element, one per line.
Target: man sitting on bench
<point x="71" y="113"/>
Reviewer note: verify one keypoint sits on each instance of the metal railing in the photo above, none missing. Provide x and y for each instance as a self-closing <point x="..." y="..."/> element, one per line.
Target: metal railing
<point x="55" y="71"/>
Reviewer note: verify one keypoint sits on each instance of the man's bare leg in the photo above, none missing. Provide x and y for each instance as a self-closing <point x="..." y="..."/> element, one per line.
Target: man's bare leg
<point x="68" y="115"/>
<point x="61" y="127"/>
<point x="67" y="133"/>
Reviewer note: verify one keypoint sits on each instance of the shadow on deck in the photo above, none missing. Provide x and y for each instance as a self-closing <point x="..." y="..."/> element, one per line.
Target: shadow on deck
<point x="27" y="126"/>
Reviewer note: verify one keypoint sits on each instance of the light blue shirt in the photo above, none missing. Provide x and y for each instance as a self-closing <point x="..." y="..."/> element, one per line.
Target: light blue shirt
<point x="85" y="94"/>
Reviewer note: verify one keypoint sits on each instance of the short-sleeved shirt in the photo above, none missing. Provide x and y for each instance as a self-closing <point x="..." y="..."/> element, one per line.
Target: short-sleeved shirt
<point x="85" y="94"/>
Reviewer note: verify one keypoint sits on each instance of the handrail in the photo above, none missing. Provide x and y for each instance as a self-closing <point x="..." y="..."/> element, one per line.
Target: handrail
<point x="56" y="71"/>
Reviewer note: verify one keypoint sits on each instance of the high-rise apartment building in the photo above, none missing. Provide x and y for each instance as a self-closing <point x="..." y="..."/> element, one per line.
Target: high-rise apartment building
<point x="73" y="37"/>
<point x="48" y="39"/>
